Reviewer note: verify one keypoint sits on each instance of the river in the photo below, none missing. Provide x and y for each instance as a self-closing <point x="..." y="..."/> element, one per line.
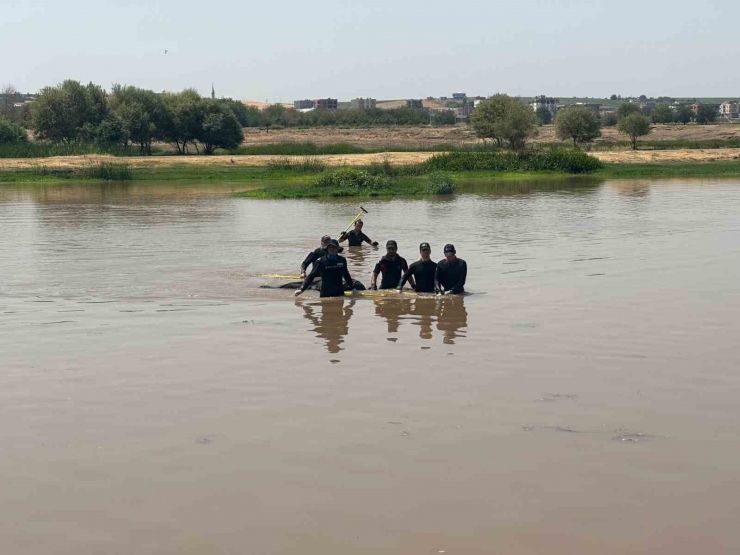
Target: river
<point x="582" y="399"/>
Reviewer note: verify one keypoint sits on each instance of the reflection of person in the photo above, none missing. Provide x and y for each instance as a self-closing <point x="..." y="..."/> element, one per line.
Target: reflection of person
<point x="452" y="318"/>
<point x="392" y="266"/>
<point x="333" y="269"/>
<point x="451" y="273"/>
<point x="392" y="309"/>
<point x="356" y="237"/>
<point x="423" y="271"/>
<point x="316" y="255"/>
<point x="332" y="324"/>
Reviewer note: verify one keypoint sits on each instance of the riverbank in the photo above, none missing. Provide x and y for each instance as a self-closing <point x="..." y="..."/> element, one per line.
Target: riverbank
<point x="628" y="164"/>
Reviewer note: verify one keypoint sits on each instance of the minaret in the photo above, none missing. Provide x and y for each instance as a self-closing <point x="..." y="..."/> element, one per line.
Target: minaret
<point x="213" y="92"/>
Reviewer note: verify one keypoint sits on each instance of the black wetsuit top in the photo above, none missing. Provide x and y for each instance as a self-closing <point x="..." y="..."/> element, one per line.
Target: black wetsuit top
<point x="332" y="273"/>
<point x="424" y="274"/>
<point x="355" y="239"/>
<point x="392" y="270"/>
<point x="452" y="276"/>
<point x="312" y="258"/>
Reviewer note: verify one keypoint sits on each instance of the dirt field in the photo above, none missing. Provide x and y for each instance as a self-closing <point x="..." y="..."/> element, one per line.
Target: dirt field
<point x="627" y="156"/>
<point x="380" y="137"/>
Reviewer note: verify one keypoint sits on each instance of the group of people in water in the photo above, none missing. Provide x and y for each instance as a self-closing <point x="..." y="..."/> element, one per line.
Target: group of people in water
<point x="446" y="277"/>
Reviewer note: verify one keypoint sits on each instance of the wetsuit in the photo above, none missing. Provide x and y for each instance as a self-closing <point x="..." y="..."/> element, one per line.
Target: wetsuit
<point x="392" y="270"/>
<point x="451" y="275"/>
<point x="332" y="272"/>
<point x="355" y="239"/>
<point x="423" y="274"/>
<point x="312" y="258"/>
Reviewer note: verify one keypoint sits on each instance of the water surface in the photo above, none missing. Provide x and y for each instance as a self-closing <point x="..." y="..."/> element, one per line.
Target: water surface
<point x="583" y="398"/>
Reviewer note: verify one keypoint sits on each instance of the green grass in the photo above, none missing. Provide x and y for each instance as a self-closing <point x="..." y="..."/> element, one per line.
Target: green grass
<point x="46" y="150"/>
<point x="671" y="169"/>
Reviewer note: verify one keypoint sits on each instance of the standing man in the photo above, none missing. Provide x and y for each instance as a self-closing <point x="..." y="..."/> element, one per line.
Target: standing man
<point x="314" y="256"/>
<point x="423" y="271"/>
<point x="333" y="269"/>
<point x="392" y="266"/>
<point x="451" y="273"/>
<point x="356" y="237"/>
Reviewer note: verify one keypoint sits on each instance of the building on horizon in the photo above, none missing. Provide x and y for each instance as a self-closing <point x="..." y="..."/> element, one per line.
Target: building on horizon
<point x="459" y="96"/>
<point x="548" y="102"/>
<point x="415" y="103"/>
<point x="326" y="103"/>
<point x="303" y="104"/>
<point x="363" y="103"/>
<point x="729" y="109"/>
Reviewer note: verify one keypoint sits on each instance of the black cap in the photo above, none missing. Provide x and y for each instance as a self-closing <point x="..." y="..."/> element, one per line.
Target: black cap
<point x="449" y="247"/>
<point x="326" y="238"/>
<point x="334" y="243"/>
<point x="391" y="243"/>
<point x="425" y="247"/>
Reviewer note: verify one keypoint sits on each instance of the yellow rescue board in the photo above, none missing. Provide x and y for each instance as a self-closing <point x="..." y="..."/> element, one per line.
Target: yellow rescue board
<point x="279" y="276"/>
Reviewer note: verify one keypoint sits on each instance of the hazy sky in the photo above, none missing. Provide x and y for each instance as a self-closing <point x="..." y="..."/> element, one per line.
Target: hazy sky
<point x="385" y="49"/>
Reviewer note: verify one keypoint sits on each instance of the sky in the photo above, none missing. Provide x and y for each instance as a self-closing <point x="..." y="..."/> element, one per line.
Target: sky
<point x="282" y="51"/>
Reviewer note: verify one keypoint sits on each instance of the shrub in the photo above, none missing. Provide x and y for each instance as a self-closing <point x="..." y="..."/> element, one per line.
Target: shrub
<point x="10" y="133"/>
<point x="107" y="171"/>
<point x="548" y="160"/>
<point x="307" y="164"/>
<point x="440" y="184"/>
<point x="350" y="178"/>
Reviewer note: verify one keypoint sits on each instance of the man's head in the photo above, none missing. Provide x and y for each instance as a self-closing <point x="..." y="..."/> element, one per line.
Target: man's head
<point x="425" y="250"/>
<point x="358" y="225"/>
<point x="332" y="247"/>
<point x="391" y="247"/>
<point x="450" y="252"/>
<point x="325" y="241"/>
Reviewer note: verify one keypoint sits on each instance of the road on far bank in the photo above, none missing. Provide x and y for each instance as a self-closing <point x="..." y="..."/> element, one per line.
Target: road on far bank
<point x="398" y="158"/>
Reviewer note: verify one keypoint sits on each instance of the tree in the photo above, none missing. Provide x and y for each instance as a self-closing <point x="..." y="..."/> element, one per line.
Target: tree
<point x="578" y="123"/>
<point x="662" y="114"/>
<point x="60" y="113"/>
<point x="143" y="114"/>
<point x="609" y="119"/>
<point x="487" y="117"/>
<point x="518" y="125"/>
<point x="684" y="114"/>
<point x="628" y="108"/>
<point x="706" y="114"/>
<point x="443" y="117"/>
<point x="634" y="125"/>
<point x="544" y="115"/>
<point x="184" y="119"/>
<point x="10" y="133"/>
<point x="613" y="97"/>
<point x="220" y="128"/>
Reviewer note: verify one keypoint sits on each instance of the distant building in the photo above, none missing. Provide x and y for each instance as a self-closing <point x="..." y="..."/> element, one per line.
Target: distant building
<point x="459" y="96"/>
<point x="729" y="109"/>
<point x="364" y="103"/>
<point x="303" y="104"/>
<point x="414" y="104"/>
<point x="545" y="102"/>
<point x="463" y="113"/>
<point x="325" y="103"/>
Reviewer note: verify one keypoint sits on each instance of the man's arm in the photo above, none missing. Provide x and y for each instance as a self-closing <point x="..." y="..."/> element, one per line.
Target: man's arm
<point x="404" y="278"/>
<point x="343" y="237"/>
<point x="308" y="260"/>
<point x="460" y="285"/>
<point x="348" y="278"/>
<point x="438" y="279"/>
<point x="374" y="279"/>
<point x="369" y="241"/>
<point x="310" y="277"/>
<point x="412" y="281"/>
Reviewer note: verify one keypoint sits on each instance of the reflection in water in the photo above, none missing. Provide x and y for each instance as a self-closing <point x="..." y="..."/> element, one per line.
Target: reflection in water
<point x="330" y="321"/>
<point x="356" y="257"/>
<point x="449" y="313"/>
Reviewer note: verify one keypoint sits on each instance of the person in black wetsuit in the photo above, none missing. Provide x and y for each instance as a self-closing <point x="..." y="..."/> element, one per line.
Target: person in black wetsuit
<point x="451" y="273"/>
<point x="314" y="256"/>
<point x="392" y="266"/>
<point x="356" y="237"/>
<point x="423" y="271"/>
<point x="333" y="270"/>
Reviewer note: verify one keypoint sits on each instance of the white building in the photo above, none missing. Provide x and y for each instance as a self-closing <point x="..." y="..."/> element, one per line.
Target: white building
<point x="729" y="109"/>
<point x="545" y="102"/>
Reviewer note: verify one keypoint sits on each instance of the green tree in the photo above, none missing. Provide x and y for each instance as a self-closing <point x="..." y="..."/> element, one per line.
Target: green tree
<point x="544" y="115"/>
<point x="61" y="113"/>
<point x="220" y="128"/>
<point x="143" y="113"/>
<point x="609" y="119"/>
<point x="634" y="125"/>
<point x="662" y="114"/>
<point x="578" y="123"/>
<point x="518" y="125"/>
<point x="488" y="116"/>
<point x="184" y="119"/>
<point x="684" y="114"/>
<point x="443" y="117"/>
<point x="10" y="133"/>
<point x="706" y="114"/>
<point x="627" y="108"/>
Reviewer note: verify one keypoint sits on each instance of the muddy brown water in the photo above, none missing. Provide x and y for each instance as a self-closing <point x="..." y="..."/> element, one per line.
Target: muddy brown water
<point x="583" y="399"/>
